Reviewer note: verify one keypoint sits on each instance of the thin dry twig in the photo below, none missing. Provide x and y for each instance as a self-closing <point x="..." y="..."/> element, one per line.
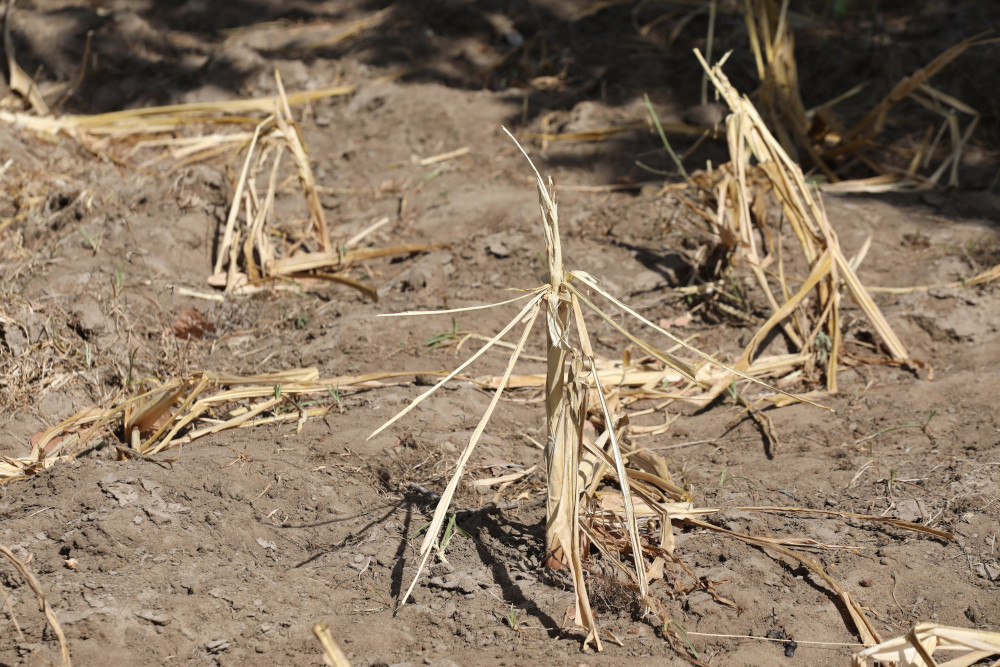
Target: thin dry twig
<point x="332" y="653"/>
<point x="50" y="615"/>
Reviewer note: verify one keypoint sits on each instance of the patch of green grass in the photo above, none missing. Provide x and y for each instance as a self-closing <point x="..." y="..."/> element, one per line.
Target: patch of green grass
<point x="380" y="596"/>
<point x="687" y="640"/>
<point x="93" y="241"/>
<point x="428" y="178"/>
<point x="666" y="143"/>
<point x="335" y="393"/>
<point x="451" y="529"/>
<point x="511" y="619"/>
<point x="444" y="338"/>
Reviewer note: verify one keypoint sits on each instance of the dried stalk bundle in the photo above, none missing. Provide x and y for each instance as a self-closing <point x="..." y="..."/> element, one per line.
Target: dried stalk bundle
<point x="577" y="515"/>
<point x="916" y="648"/>
<point x="161" y="119"/>
<point x="773" y="47"/>
<point x="739" y="225"/>
<point x="648" y="379"/>
<point x="831" y="146"/>
<point x="603" y="491"/>
<point x="180" y="411"/>
<point x="247" y="251"/>
<point x="298" y="38"/>
<point x="605" y="133"/>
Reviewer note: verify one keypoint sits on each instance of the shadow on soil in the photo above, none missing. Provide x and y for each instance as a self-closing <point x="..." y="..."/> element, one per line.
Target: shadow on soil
<point x="553" y="55"/>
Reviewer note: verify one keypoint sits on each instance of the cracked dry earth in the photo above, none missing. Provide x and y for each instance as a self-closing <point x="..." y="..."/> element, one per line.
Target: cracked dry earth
<point x="230" y="551"/>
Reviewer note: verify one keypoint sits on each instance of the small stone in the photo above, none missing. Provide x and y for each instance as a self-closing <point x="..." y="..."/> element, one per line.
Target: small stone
<point x="453" y="581"/>
<point x="467" y="584"/>
<point x="217" y="646"/>
<point x="639" y="630"/>
<point x="153" y="617"/>
<point x="910" y="509"/>
<point x="93" y="601"/>
<point x="14" y="336"/>
<point x="499" y="249"/>
<point x="708" y="115"/>
<point x="87" y="317"/>
<point x="973" y="614"/>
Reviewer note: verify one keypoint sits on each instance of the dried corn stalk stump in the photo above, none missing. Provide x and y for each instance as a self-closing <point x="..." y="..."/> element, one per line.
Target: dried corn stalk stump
<point x="635" y="520"/>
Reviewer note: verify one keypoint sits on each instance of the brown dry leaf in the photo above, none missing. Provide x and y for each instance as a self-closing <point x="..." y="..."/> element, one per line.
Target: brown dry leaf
<point x="655" y="570"/>
<point x="191" y="324"/>
<point x="51" y="444"/>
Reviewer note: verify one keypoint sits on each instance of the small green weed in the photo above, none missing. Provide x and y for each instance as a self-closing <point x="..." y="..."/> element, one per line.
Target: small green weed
<point x="444" y="338"/>
<point x="687" y="640"/>
<point x="449" y="532"/>
<point x="428" y="178"/>
<point x="93" y="241"/>
<point x="335" y="393"/>
<point x="511" y="619"/>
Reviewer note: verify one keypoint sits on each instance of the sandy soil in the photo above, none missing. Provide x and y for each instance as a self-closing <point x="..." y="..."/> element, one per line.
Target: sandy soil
<point x="231" y="552"/>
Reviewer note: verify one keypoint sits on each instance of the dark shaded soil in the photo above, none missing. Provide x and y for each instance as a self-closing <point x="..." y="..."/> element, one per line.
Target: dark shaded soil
<point x="230" y="553"/>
